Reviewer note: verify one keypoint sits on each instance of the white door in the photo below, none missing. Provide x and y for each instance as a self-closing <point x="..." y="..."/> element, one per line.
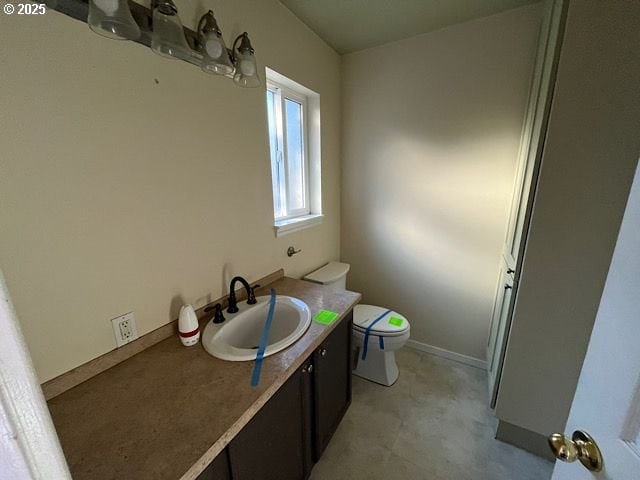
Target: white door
<point x="607" y="400"/>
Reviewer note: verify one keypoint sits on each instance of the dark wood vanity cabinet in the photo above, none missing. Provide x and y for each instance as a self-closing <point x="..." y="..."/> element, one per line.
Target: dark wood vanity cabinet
<point x="288" y="435"/>
<point x="272" y="446"/>
<point x="331" y="384"/>
<point x="219" y="469"/>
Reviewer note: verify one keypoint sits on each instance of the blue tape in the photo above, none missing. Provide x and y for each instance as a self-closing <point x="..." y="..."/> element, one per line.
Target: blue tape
<point x="381" y="342"/>
<point x="257" y="367"/>
<point x="368" y="332"/>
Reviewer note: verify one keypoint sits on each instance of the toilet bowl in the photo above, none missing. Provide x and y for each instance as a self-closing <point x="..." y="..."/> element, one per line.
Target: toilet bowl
<point x="382" y="331"/>
<point x="377" y="332"/>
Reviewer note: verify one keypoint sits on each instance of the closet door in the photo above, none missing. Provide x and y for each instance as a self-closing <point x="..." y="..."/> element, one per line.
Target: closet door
<point x="534" y="129"/>
<point x="498" y="330"/>
<point x="529" y="156"/>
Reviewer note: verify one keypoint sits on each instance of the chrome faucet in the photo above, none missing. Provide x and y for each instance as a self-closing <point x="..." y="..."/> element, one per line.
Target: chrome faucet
<point x="233" y="302"/>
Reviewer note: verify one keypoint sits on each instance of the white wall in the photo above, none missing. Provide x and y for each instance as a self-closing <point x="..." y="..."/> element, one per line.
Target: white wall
<point x="134" y="182"/>
<point x="431" y="133"/>
<point x="589" y="159"/>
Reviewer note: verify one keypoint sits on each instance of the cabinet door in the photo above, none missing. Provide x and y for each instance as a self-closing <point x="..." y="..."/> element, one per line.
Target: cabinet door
<point x="332" y="384"/>
<point x="273" y="445"/>
<point x="218" y="469"/>
<point x="499" y="328"/>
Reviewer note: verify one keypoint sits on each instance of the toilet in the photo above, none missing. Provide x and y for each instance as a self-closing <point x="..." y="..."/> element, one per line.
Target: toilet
<point x="377" y="331"/>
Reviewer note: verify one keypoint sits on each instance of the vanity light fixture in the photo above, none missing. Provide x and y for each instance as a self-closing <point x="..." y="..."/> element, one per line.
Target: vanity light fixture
<point x="164" y="33"/>
<point x="112" y="19"/>
<point x="240" y="61"/>
<point x="245" y="62"/>
<point x="167" y="38"/>
<point x="215" y="55"/>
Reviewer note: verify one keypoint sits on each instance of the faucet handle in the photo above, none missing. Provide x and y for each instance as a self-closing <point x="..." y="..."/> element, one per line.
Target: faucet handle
<point x="251" y="300"/>
<point x="218" y="317"/>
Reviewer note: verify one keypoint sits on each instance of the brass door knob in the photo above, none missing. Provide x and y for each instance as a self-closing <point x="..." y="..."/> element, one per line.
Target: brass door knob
<point x="579" y="447"/>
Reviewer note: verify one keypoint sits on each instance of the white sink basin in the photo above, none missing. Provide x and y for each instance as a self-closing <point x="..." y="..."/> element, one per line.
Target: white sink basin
<point x="237" y="339"/>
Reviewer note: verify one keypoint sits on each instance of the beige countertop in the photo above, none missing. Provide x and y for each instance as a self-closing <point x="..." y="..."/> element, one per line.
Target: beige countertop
<point x="169" y="410"/>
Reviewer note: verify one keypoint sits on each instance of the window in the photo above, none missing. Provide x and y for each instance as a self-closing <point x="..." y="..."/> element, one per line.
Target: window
<point x="294" y="148"/>
<point x="289" y="160"/>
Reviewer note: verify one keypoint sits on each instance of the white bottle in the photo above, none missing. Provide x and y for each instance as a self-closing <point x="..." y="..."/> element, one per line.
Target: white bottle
<point x="188" y="327"/>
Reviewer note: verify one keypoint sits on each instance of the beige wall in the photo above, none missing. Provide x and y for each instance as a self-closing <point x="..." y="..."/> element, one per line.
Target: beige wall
<point x="589" y="159"/>
<point x="431" y="133"/>
<point x="133" y="182"/>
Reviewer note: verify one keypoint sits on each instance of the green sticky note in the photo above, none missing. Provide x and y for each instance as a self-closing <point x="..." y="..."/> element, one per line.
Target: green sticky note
<point x="395" y="321"/>
<point x="325" y="317"/>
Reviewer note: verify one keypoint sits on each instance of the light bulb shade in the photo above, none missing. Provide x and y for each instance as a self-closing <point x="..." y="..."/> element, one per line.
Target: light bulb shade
<point x="246" y="71"/>
<point x="168" y="37"/>
<point x="112" y="19"/>
<point x="245" y="62"/>
<point x="215" y="56"/>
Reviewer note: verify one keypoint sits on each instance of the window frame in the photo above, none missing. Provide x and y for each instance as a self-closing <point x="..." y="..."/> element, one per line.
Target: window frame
<point x="280" y="94"/>
<point x="313" y="150"/>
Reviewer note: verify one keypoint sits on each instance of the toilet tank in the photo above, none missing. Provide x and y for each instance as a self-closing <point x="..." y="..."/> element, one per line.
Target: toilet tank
<point x="333" y="273"/>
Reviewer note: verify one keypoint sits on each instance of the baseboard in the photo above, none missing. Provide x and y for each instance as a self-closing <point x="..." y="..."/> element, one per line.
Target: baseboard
<point x="525" y="439"/>
<point x="441" y="352"/>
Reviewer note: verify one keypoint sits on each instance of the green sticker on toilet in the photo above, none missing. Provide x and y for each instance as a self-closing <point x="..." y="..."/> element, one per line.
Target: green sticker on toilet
<point x="326" y="317"/>
<point x="395" y="321"/>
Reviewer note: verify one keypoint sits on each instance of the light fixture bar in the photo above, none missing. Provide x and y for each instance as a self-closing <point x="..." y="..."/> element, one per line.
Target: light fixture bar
<point x="241" y="55"/>
<point x="79" y="10"/>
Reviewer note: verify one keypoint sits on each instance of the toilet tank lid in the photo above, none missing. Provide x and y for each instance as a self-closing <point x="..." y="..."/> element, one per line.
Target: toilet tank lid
<point x="331" y="272"/>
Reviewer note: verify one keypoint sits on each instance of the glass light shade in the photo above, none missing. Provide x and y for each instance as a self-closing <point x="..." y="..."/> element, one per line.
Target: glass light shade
<point x="112" y="19"/>
<point x="246" y="70"/>
<point x="215" y="57"/>
<point x="168" y="37"/>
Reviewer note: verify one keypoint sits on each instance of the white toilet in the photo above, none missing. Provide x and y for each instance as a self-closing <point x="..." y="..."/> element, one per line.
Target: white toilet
<point x="386" y="330"/>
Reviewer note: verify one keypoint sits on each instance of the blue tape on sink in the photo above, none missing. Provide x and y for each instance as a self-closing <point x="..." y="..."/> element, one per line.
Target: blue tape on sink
<point x="257" y="367"/>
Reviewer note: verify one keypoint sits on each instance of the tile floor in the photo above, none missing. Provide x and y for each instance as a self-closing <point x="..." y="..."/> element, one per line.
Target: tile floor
<point x="433" y="424"/>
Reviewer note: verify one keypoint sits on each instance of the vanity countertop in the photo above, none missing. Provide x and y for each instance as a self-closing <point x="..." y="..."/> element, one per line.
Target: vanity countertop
<point x="168" y="411"/>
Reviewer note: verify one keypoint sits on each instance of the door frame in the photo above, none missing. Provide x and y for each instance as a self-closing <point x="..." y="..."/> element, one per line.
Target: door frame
<point x="29" y="444"/>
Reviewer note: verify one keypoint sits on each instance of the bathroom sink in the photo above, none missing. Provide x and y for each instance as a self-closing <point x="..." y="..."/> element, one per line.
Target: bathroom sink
<point x="237" y="339"/>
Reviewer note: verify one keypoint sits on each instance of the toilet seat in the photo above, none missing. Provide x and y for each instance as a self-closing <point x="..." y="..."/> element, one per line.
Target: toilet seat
<point x="375" y="333"/>
<point x="391" y="325"/>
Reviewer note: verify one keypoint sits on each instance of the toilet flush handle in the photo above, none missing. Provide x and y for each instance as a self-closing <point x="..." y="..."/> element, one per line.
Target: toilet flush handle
<point x="291" y="251"/>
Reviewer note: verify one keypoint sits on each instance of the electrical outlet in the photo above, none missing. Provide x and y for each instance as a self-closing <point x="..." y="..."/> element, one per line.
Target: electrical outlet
<point x="124" y="328"/>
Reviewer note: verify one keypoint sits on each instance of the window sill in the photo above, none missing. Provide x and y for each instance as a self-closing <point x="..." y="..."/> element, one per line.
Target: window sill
<point x="290" y="225"/>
